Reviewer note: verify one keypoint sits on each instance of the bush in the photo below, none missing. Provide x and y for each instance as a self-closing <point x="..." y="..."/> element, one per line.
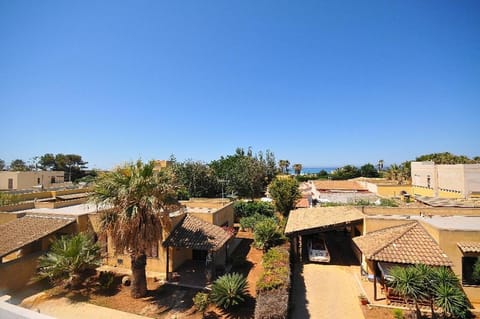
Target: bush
<point x="229" y="290"/>
<point x="398" y="314"/>
<point x="276" y="270"/>
<point x="250" y="221"/>
<point x="274" y="285"/>
<point x="106" y="279"/>
<point x="201" y="301"/>
<point x="388" y="202"/>
<point x="247" y="209"/>
<point x="266" y="233"/>
<point x="476" y="271"/>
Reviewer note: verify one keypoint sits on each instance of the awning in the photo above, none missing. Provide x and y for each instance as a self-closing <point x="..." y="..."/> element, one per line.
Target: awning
<point x="469" y="246"/>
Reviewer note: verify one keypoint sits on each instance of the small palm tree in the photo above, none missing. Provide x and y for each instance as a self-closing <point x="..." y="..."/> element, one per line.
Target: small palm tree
<point x="408" y="283"/>
<point x="452" y="300"/>
<point x="68" y="257"/>
<point x="229" y="290"/>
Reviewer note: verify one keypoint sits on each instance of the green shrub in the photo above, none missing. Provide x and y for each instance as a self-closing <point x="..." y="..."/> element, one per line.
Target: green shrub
<point x="276" y="270"/>
<point x="250" y="221"/>
<point x="229" y="290"/>
<point x="9" y="199"/>
<point x="106" y="279"/>
<point x="201" y="301"/>
<point x="398" y="314"/>
<point x="247" y="209"/>
<point x="266" y="233"/>
<point x="476" y="271"/>
<point x="388" y="202"/>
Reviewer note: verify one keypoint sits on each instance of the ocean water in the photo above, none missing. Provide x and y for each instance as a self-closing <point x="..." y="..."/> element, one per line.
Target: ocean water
<point x="313" y="170"/>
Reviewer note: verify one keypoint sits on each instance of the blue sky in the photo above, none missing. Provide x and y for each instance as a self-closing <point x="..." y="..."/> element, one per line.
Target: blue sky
<point x="322" y="83"/>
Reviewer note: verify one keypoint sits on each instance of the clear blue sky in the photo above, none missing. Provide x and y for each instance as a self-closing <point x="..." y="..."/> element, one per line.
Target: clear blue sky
<point x="322" y="83"/>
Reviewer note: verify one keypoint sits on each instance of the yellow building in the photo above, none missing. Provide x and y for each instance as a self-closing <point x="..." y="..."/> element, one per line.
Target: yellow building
<point x="445" y="181"/>
<point x="31" y="179"/>
<point x="434" y="240"/>
<point x="197" y="230"/>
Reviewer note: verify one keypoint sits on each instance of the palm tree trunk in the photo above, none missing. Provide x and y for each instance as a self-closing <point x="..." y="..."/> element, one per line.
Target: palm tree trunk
<point x="139" y="278"/>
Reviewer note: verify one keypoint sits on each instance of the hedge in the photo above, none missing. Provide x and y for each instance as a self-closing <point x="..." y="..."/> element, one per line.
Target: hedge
<point x="273" y="286"/>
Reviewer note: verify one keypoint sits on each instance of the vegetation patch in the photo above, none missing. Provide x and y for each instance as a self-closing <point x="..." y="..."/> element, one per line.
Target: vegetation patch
<point x="274" y="284"/>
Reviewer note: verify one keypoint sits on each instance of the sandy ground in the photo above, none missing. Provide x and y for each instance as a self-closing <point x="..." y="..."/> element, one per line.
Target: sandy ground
<point x="325" y="291"/>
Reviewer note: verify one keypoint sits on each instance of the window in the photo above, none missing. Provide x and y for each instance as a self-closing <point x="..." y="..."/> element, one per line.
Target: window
<point x="468" y="266"/>
<point x="428" y="181"/>
<point x="153" y="251"/>
<point x="52" y="180"/>
<point x="38" y="180"/>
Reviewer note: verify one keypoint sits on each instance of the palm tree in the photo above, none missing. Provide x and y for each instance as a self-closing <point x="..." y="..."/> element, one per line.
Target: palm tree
<point x="408" y="283"/>
<point x="447" y="293"/>
<point x="140" y="200"/>
<point x="284" y="164"/>
<point x="68" y="258"/>
<point x="297" y="168"/>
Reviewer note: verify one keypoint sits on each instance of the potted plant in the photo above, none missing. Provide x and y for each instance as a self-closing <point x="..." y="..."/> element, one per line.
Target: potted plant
<point x="363" y="299"/>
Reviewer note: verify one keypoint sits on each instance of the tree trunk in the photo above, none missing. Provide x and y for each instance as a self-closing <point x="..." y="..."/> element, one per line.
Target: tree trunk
<point x="139" y="278"/>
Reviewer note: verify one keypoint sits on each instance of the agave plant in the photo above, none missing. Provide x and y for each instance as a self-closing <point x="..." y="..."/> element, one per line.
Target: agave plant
<point x="229" y="290"/>
<point x="68" y="257"/>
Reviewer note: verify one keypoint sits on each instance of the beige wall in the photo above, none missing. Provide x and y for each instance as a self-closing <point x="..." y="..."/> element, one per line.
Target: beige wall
<point x="405" y="211"/>
<point x="26" y="180"/>
<point x="218" y="217"/>
<point x="446" y="239"/>
<point x="16" y="274"/>
<point x="450" y="181"/>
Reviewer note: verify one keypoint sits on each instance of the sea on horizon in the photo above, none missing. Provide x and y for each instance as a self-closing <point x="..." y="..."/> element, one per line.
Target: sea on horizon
<point x="313" y="170"/>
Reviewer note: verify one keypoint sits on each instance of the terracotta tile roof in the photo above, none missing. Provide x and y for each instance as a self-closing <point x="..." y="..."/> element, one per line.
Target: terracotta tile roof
<point x="406" y="244"/>
<point x="339" y="185"/>
<point x="195" y="233"/>
<point x="23" y="231"/>
<point x="310" y="218"/>
<point x="469" y="246"/>
<point x="302" y="203"/>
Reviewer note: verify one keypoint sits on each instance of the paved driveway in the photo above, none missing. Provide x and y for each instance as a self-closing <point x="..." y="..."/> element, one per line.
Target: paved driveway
<point x="325" y="291"/>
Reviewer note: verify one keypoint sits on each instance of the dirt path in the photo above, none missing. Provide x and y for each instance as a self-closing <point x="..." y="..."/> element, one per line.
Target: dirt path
<point x="325" y="291"/>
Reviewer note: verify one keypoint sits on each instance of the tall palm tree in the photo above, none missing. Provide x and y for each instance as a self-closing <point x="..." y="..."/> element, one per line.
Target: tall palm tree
<point x="140" y="200"/>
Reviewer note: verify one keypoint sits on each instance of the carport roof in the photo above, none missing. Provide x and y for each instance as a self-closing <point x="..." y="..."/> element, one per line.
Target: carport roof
<point x="407" y="244"/>
<point x="311" y="218"/>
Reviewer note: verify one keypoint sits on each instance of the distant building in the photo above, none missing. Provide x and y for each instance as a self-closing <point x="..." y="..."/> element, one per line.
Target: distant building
<point x="161" y="164"/>
<point x="446" y="181"/>
<point x="30" y="179"/>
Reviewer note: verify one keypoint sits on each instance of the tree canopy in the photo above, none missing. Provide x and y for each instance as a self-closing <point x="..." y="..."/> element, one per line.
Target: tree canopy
<point x="285" y="193"/>
<point x="72" y="164"/>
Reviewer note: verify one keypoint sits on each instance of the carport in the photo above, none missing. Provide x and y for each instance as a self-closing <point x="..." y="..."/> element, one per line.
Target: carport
<point x="303" y="223"/>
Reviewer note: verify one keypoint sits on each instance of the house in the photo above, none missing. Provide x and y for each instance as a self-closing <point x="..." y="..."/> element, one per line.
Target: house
<point x="16" y="180"/>
<point x="435" y="240"/>
<point x="198" y="231"/>
<point x="445" y="180"/>
<point x="340" y="191"/>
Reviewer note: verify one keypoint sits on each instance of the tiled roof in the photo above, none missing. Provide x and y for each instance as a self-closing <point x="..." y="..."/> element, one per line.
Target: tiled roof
<point x="302" y="203"/>
<point x="194" y="233"/>
<point x="339" y="185"/>
<point x="469" y="246"/>
<point x="406" y="244"/>
<point x="23" y="231"/>
<point x="310" y="218"/>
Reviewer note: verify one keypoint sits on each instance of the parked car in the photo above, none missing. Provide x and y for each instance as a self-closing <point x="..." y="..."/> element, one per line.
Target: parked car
<point x="318" y="251"/>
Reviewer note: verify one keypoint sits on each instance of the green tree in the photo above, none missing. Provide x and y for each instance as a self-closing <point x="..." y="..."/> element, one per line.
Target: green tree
<point x="285" y="193"/>
<point x="247" y="174"/>
<point x="380" y="165"/>
<point x="68" y="257"/>
<point x="476" y="271"/>
<point x="229" y="290"/>
<point x="345" y="172"/>
<point x="2" y="164"/>
<point x="368" y="170"/>
<point x="198" y="179"/>
<point x="445" y="158"/>
<point x="72" y="164"/>
<point x="141" y="200"/>
<point x="18" y="165"/>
